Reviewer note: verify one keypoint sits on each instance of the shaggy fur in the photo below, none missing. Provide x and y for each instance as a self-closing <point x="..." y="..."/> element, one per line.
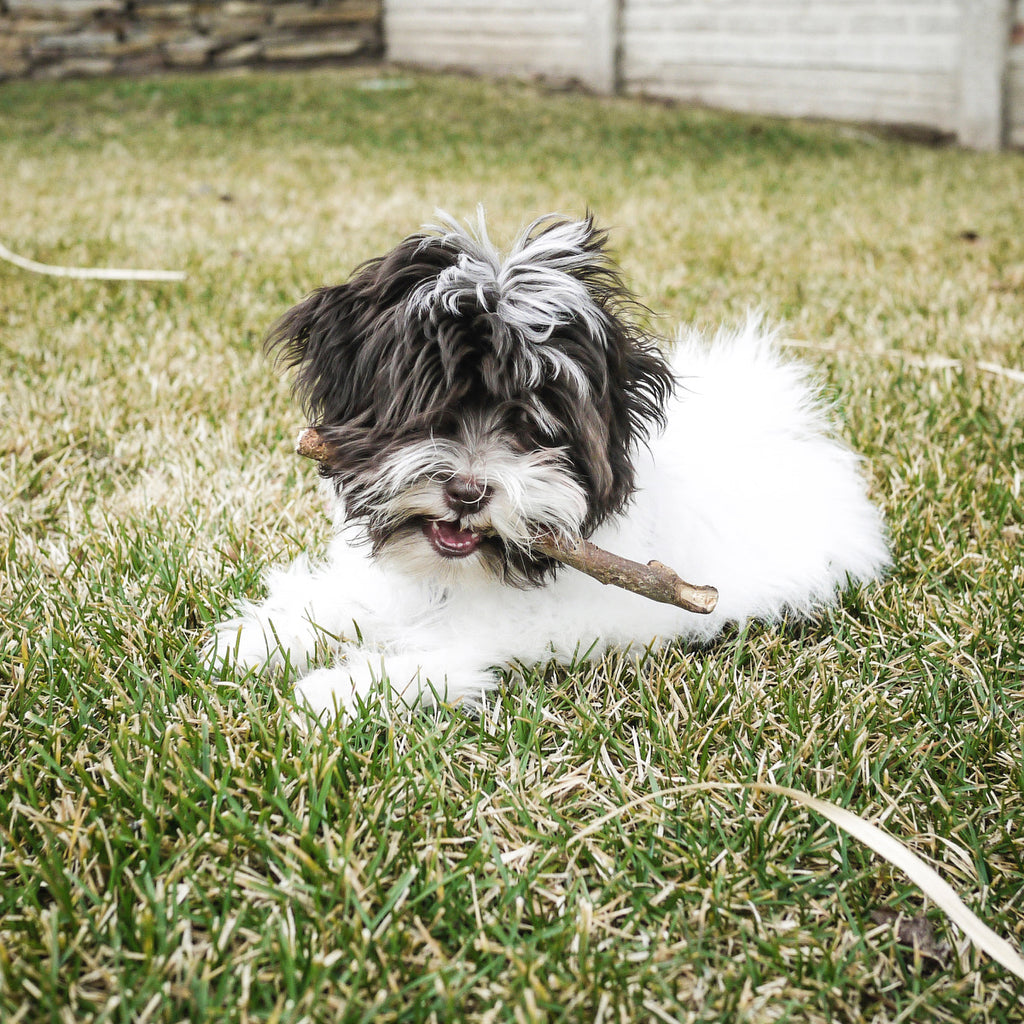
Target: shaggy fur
<point x="470" y="400"/>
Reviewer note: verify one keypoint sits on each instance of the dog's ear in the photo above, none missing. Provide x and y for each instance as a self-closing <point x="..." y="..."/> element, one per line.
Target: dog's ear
<point x="318" y="337"/>
<point x="640" y="383"/>
<point x="340" y="337"/>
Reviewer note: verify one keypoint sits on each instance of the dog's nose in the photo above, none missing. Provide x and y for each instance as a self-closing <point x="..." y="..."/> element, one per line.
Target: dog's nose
<point x="466" y="494"/>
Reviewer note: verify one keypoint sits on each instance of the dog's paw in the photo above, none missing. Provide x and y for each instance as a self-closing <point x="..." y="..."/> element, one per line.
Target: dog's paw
<point x="361" y="681"/>
<point x="257" y="641"/>
<point x="338" y="693"/>
<point x="323" y="695"/>
<point x="238" y="645"/>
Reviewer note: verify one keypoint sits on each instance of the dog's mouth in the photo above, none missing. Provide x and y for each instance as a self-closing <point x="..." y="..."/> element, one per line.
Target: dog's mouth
<point x="449" y="540"/>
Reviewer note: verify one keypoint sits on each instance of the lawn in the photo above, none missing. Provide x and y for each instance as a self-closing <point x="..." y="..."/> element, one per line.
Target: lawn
<point x="171" y="848"/>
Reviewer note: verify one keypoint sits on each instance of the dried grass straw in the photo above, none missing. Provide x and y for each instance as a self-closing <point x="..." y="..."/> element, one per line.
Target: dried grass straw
<point x="89" y="273"/>
<point x="926" y="878"/>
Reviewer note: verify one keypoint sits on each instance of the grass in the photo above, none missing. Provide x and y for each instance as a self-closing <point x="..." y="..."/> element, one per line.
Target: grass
<point x="170" y="849"/>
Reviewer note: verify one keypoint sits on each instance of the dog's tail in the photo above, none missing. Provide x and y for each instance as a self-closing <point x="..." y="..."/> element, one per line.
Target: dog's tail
<point x="768" y="505"/>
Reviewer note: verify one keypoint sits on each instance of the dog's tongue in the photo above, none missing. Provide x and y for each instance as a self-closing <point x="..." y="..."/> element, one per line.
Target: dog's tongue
<point x="448" y="539"/>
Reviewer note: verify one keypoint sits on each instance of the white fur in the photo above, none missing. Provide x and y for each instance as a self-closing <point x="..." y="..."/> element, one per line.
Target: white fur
<point x="745" y="489"/>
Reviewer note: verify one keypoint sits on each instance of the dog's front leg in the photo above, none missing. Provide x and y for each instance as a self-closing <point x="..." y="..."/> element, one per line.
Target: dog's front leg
<point x="308" y="612"/>
<point x="302" y="616"/>
<point x="363" y="677"/>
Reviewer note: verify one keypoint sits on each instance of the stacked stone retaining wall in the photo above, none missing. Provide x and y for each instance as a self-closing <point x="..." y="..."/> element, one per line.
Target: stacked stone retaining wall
<point x="87" y="38"/>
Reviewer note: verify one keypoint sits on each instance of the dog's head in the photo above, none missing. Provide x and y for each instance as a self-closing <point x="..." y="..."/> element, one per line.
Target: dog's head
<point x="469" y="401"/>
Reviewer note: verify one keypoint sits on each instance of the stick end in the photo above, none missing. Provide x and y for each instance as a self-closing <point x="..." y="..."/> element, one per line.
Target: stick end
<point x="310" y="445"/>
<point x="701" y="600"/>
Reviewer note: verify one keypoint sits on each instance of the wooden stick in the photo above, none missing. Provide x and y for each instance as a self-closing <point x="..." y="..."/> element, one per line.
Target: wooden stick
<point x="310" y="445"/>
<point x="654" y="581"/>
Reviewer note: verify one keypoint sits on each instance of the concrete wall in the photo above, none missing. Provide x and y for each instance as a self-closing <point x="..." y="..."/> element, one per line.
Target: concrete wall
<point x="76" y="38"/>
<point x="942" y="65"/>
<point x="560" y="39"/>
<point x="870" y="60"/>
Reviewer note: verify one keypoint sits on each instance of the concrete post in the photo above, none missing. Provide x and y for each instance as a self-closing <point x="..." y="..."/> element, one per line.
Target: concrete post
<point x="984" y="52"/>
<point x="603" y="44"/>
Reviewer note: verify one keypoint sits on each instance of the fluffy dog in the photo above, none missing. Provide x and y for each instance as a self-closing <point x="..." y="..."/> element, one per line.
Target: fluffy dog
<point x="470" y="401"/>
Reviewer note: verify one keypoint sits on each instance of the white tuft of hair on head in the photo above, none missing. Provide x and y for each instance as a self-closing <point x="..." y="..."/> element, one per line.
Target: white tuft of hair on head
<point x="531" y="291"/>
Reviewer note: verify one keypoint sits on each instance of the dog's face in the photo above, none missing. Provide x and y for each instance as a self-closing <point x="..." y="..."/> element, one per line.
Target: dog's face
<point x="469" y="402"/>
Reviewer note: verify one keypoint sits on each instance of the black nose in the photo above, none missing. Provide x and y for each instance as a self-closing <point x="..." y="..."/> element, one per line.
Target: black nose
<point x="466" y="494"/>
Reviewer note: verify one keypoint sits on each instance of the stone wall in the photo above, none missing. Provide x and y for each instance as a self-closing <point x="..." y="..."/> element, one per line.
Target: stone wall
<point x="80" y="38"/>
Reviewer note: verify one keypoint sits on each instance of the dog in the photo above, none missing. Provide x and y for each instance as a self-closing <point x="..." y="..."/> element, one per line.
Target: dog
<point x="469" y="401"/>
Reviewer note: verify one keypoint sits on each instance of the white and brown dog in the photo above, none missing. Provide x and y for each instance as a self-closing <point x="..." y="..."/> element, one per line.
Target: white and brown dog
<point x="471" y="401"/>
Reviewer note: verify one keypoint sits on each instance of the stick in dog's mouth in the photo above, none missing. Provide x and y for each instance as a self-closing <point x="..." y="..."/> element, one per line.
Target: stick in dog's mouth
<point x="654" y="580"/>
